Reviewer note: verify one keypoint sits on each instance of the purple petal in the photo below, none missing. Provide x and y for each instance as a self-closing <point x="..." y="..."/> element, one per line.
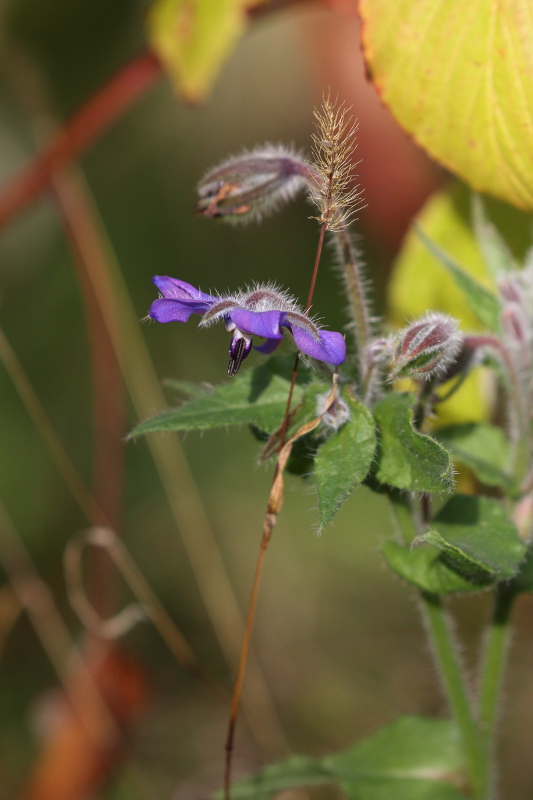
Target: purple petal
<point x="164" y="310"/>
<point x="173" y="289"/>
<point x="329" y="347"/>
<point x="259" y="323"/>
<point x="268" y="347"/>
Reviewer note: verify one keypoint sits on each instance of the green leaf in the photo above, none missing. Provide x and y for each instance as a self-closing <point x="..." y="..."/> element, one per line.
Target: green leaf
<point x="482" y="302"/>
<point x="344" y="460"/>
<point x="194" y="37"/>
<point x="523" y="580"/>
<point x="477" y="538"/>
<point x="426" y="568"/>
<point x="257" y="397"/>
<point x="496" y="253"/>
<point x="412" y="759"/>
<point x="483" y="448"/>
<point x="419" y="283"/>
<point x="408" y="459"/>
<point x="458" y="78"/>
<point x="296" y="771"/>
<point x="188" y="389"/>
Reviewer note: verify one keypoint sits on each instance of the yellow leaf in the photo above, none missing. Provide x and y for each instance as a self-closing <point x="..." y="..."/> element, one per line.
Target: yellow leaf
<point x="458" y="76"/>
<point x="194" y="37"/>
<point x="420" y="283"/>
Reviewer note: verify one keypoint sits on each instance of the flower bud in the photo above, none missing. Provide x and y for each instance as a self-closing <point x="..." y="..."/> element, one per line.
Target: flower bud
<point x="516" y="326"/>
<point x="426" y="347"/>
<point x="246" y="187"/>
<point x="510" y="289"/>
<point x="379" y="351"/>
<point x="337" y="412"/>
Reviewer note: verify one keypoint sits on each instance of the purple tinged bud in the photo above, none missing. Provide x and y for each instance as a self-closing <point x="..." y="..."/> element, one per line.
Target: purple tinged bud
<point x="426" y="347"/>
<point x="510" y="290"/>
<point x="246" y="187"/>
<point x="379" y="351"/>
<point x="516" y="326"/>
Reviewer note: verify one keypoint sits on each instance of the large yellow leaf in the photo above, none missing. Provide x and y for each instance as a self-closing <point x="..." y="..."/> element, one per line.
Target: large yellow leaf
<point x="458" y="75"/>
<point x="420" y="283"/>
<point x="193" y="38"/>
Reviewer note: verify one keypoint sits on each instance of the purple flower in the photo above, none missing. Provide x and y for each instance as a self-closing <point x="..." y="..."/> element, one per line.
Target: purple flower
<point x="260" y="311"/>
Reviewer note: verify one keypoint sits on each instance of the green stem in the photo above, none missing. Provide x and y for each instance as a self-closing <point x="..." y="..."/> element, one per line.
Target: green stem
<point x="448" y="662"/>
<point x="454" y="685"/>
<point x="491" y="677"/>
<point x="403" y="514"/>
<point x="357" y="295"/>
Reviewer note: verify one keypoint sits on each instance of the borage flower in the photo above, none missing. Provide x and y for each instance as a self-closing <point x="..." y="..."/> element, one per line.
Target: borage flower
<point x="260" y="311"/>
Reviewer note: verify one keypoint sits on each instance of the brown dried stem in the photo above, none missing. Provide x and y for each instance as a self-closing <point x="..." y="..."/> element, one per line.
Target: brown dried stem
<point x="275" y="502"/>
<point x="271" y="514"/>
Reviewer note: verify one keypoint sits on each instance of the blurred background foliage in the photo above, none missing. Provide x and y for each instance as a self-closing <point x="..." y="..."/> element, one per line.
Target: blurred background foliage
<point x="338" y="638"/>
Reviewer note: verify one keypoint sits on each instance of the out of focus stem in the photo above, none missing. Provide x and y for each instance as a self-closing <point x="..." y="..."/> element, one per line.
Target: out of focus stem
<point x="521" y="431"/>
<point x="78" y="133"/>
<point x="448" y="663"/>
<point x="359" y="305"/>
<point x="491" y="678"/>
<point x="454" y="683"/>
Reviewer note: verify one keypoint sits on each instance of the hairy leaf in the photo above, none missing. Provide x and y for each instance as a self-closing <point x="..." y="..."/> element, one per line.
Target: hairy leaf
<point x="477" y="538"/>
<point x="406" y="458"/>
<point x="426" y="568"/>
<point x="482" y="302"/>
<point x="483" y="448"/>
<point x="189" y="389"/>
<point x="412" y="759"/>
<point x="457" y="77"/>
<point x="523" y="580"/>
<point x="419" y="282"/>
<point x="496" y="253"/>
<point x="257" y="397"/>
<point x="342" y="463"/>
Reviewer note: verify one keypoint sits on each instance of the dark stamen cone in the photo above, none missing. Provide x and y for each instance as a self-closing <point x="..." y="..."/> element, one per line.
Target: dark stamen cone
<point x="238" y="350"/>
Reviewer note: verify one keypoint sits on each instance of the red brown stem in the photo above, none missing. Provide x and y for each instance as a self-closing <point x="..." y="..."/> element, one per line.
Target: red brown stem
<point x="315" y="268"/>
<point x="267" y="533"/>
<point x="268" y="525"/>
<point x="79" y="132"/>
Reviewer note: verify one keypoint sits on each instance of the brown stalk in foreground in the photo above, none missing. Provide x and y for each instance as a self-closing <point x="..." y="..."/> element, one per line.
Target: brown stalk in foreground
<point x="333" y="146"/>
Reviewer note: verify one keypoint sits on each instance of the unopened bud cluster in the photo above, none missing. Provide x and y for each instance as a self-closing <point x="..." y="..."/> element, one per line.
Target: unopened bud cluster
<point x="426" y="347"/>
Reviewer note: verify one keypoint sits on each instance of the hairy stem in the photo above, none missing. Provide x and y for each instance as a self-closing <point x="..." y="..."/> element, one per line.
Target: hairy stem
<point x="491" y="677"/>
<point x="521" y="433"/>
<point x="447" y="658"/>
<point x="402" y="514"/>
<point x="359" y="305"/>
<point x="455" y="688"/>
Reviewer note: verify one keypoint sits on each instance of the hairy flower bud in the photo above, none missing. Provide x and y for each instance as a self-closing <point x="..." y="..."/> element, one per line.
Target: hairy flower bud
<point x="426" y="347"/>
<point x="246" y="187"/>
<point x="516" y="326"/>
<point x="379" y="351"/>
<point x="510" y="289"/>
<point x="337" y="412"/>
